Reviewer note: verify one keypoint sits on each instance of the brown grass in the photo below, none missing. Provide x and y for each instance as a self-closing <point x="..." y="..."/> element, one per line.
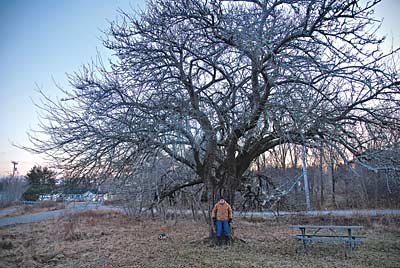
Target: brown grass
<point x="110" y="239"/>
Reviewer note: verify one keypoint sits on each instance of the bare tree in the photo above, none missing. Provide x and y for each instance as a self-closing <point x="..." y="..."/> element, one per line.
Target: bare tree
<point x="215" y="84"/>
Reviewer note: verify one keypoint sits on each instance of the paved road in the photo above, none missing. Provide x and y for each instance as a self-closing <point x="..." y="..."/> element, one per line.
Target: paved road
<point x="73" y="208"/>
<point x="39" y="216"/>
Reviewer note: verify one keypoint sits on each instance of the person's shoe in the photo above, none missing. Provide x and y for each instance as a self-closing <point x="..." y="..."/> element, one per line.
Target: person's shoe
<point x="226" y="240"/>
<point x="218" y="241"/>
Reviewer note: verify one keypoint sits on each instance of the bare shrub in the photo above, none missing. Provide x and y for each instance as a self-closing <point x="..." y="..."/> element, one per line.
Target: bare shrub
<point x="68" y="227"/>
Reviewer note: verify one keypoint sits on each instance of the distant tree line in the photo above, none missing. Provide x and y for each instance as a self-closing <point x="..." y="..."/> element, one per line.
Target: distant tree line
<point x="11" y="189"/>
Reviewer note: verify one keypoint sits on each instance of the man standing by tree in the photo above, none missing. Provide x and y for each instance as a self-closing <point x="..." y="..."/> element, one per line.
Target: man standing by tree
<point x="222" y="217"/>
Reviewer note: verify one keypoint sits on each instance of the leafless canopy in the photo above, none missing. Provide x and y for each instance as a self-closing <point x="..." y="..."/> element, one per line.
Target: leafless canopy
<point x="213" y="84"/>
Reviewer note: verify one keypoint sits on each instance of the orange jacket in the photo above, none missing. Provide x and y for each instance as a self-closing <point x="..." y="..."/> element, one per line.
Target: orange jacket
<point x="222" y="211"/>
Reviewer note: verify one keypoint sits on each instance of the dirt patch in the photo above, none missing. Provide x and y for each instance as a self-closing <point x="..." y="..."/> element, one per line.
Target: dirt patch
<point x="110" y="239"/>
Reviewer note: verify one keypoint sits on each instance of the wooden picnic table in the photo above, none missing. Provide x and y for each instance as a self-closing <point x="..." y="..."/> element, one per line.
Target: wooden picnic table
<point x="349" y="239"/>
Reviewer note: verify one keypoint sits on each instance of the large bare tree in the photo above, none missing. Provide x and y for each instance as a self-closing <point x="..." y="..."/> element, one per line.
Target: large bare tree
<point x="214" y="84"/>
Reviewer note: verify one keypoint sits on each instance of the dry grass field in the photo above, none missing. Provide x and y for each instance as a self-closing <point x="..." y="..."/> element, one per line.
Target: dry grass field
<point x="110" y="239"/>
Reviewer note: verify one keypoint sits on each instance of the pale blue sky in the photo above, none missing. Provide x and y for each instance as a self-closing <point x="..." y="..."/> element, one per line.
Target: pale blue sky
<point x="45" y="39"/>
<point x="42" y="40"/>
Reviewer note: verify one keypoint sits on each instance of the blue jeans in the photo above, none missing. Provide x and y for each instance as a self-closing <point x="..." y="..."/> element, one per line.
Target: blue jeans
<point x="225" y="224"/>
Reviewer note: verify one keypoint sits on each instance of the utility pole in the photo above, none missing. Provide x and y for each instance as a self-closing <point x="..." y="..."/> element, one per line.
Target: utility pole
<point x="15" y="167"/>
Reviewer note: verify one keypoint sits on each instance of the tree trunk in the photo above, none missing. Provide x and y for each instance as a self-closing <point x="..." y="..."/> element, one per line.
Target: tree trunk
<point x="306" y="188"/>
<point x="321" y="178"/>
<point x="211" y="192"/>
<point x="333" y="182"/>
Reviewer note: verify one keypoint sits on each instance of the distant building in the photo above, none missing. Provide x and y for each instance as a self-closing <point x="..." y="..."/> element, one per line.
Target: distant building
<point x="77" y="195"/>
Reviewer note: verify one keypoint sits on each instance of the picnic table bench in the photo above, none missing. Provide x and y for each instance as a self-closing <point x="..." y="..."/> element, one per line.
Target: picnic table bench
<point x="335" y="233"/>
